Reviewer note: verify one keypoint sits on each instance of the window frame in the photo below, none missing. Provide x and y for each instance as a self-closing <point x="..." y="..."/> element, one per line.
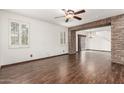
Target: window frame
<point x="20" y="34"/>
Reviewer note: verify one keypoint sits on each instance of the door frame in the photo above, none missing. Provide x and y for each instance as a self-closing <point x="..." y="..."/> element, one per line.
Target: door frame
<point x="79" y="37"/>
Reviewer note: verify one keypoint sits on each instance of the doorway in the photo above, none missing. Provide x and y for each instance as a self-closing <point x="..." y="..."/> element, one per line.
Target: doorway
<point x="81" y="42"/>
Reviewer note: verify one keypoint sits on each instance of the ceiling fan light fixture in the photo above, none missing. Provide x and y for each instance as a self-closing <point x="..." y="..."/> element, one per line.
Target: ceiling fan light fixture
<point x="69" y="16"/>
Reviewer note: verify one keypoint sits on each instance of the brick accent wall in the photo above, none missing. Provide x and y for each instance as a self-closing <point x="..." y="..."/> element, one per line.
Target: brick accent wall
<point x="72" y="41"/>
<point x="117" y="32"/>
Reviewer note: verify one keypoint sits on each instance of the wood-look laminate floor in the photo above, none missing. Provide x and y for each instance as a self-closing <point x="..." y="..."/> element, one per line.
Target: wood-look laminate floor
<point x="86" y="67"/>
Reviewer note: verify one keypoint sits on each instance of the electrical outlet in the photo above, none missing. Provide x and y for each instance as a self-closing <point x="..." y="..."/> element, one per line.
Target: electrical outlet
<point x="31" y="55"/>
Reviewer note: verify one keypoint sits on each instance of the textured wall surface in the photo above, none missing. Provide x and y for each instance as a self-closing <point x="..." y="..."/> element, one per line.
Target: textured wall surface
<point x="117" y="27"/>
<point x="72" y="42"/>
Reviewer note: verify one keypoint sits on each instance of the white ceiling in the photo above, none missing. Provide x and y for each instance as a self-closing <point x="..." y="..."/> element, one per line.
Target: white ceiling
<point x="49" y="14"/>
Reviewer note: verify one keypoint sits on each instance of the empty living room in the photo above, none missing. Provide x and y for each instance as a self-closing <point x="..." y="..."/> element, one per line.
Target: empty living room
<point x="61" y="46"/>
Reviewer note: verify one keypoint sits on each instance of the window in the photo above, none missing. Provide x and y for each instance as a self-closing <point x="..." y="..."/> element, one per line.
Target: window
<point x="62" y="38"/>
<point x="18" y="34"/>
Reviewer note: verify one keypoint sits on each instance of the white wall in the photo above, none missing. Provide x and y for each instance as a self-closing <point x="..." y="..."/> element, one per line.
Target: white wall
<point x="44" y="40"/>
<point x="0" y="41"/>
<point x="101" y="41"/>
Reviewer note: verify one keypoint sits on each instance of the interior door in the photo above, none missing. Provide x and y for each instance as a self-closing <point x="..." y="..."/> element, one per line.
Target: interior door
<point x="81" y="42"/>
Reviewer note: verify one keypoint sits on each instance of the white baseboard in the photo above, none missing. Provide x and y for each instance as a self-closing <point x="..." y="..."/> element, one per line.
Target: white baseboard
<point x="98" y="50"/>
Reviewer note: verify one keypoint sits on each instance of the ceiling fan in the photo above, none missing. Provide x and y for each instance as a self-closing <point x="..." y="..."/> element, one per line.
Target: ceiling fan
<point x="69" y="14"/>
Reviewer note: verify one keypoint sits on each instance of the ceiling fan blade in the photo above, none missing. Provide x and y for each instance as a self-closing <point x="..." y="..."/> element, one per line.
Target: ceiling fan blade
<point x="78" y="18"/>
<point x="63" y="9"/>
<point x="66" y="20"/>
<point x="79" y="12"/>
<point x="59" y="17"/>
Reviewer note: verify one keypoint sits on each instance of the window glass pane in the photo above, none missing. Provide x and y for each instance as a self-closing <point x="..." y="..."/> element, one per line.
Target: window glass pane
<point x="14" y="33"/>
<point x="61" y="38"/>
<point x="24" y="36"/>
<point x="64" y="37"/>
<point x="14" y="41"/>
